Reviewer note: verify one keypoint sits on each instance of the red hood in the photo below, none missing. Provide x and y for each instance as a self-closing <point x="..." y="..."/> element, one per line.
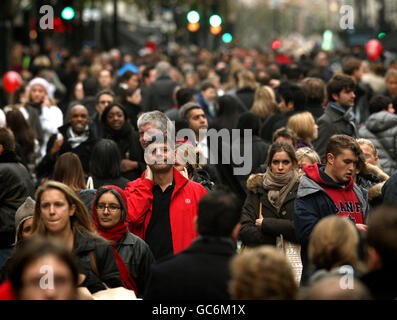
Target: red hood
<point x="312" y="171"/>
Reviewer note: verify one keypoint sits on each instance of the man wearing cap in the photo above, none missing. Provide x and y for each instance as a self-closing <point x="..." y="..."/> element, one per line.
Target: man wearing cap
<point x="51" y="117"/>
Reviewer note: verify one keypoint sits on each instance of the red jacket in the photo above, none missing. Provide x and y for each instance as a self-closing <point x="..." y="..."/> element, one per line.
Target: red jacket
<point x="183" y="208"/>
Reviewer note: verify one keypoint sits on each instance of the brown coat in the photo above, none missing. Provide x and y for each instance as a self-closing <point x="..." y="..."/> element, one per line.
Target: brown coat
<point x="273" y="223"/>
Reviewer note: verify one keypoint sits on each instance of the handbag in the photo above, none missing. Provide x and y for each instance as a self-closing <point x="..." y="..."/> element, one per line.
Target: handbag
<point x="293" y="253"/>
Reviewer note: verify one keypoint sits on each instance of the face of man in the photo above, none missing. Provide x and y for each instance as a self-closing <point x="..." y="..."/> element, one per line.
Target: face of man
<point x="103" y="102"/>
<point x="392" y="87"/>
<point x="369" y="154"/>
<point x="341" y="167"/>
<point x="197" y="120"/>
<point x="78" y="118"/>
<point x="105" y="79"/>
<point x="159" y="157"/>
<point x="133" y="82"/>
<point x="359" y="73"/>
<point x="146" y="132"/>
<point x="345" y="98"/>
<point x="209" y="94"/>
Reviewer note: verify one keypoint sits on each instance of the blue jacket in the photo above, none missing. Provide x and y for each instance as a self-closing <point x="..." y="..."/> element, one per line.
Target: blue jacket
<point x="312" y="203"/>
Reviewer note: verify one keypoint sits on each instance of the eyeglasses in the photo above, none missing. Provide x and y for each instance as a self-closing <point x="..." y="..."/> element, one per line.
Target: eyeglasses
<point x="100" y="207"/>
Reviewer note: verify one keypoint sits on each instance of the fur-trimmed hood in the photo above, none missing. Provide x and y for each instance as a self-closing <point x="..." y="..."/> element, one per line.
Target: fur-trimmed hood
<point x="376" y="190"/>
<point x="255" y="183"/>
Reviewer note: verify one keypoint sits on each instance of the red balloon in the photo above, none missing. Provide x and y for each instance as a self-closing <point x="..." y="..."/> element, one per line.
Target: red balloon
<point x="373" y="49"/>
<point x="276" y="44"/>
<point x="11" y="81"/>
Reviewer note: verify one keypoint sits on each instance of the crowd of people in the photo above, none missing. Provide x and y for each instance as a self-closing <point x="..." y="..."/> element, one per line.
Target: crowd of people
<point x="124" y="175"/>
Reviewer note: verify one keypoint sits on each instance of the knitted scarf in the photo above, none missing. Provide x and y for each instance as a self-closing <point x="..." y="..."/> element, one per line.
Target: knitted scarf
<point x="279" y="186"/>
<point x="114" y="235"/>
<point x="76" y="139"/>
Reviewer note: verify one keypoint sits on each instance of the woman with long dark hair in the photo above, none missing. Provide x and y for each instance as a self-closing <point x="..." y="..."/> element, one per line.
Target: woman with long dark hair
<point x="117" y="128"/>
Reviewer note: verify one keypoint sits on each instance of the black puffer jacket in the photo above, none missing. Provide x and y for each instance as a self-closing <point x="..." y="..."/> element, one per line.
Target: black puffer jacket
<point x="15" y="186"/>
<point x="106" y="264"/>
<point x="273" y="223"/>
<point x="137" y="257"/>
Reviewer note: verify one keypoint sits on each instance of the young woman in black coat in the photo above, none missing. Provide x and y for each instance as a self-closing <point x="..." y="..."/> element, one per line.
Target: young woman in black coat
<point x="117" y="128"/>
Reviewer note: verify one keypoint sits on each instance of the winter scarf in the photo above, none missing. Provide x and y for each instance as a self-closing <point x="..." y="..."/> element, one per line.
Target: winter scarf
<point x="114" y="235"/>
<point x="76" y="139"/>
<point x="279" y="186"/>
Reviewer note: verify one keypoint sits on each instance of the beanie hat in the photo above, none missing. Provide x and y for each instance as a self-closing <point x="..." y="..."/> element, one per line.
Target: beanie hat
<point x="40" y="81"/>
<point x="24" y="212"/>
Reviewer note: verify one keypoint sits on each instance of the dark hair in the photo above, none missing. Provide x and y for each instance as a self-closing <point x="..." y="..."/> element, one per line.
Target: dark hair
<point x="37" y="247"/>
<point x="379" y="103"/>
<point x="184" y="95"/>
<point x="23" y="132"/>
<point x="105" y="160"/>
<point x="90" y="87"/>
<point x="127" y="75"/>
<point x="278" y="147"/>
<point x="227" y="114"/>
<point x="102" y="92"/>
<point x="293" y="93"/>
<point x="350" y="64"/>
<point x="104" y="189"/>
<point x="69" y="170"/>
<point x="338" y="83"/>
<point x="7" y="139"/>
<point x="293" y="72"/>
<point x="205" y="85"/>
<point x="382" y="234"/>
<point x="339" y="142"/>
<point x="218" y="214"/>
<point x="285" y="133"/>
<point x="146" y="71"/>
<point x="249" y="120"/>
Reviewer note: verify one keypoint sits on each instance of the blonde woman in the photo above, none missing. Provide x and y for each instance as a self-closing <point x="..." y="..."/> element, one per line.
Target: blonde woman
<point x="335" y="243"/>
<point x="306" y="156"/>
<point x="60" y="214"/>
<point x="265" y="103"/>
<point x="305" y="128"/>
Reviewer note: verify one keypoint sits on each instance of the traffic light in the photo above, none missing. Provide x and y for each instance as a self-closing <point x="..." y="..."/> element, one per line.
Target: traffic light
<point x="215" y="20"/>
<point x="327" y="40"/>
<point x="227" y="37"/>
<point x="215" y="30"/>
<point x="67" y="13"/>
<point x="193" y="27"/>
<point x="193" y="16"/>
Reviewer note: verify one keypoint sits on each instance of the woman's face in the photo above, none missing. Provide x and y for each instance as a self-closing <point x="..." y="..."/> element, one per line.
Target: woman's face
<point x="115" y="118"/>
<point x="315" y="131"/>
<point x="37" y="93"/>
<point x="78" y="91"/>
<point x="109" y="210"/>
<point x="59" y="284"/>
<point x="27" y="228"/>
<point x="281" y="163"/>
<point x="136" y="97"/>
<point x="55" y="211"/>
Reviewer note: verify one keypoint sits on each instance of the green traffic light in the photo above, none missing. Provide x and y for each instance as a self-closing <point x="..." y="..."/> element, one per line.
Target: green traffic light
<point x="215" y="20"/>
<point x="67" y="13"/>
<point x="381" y="35"/>
<point x="227" y="38"/>
<point x="193" y="16"/>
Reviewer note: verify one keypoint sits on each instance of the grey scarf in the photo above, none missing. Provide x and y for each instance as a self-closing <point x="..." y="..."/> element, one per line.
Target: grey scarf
<point x="76" y="139"/>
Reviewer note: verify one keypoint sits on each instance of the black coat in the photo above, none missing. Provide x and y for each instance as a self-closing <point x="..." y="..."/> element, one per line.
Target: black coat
<point x="274" y="223"/>
<point x="382" y="284"/>
<point x="15" y="186"/>
<point x="137" y="257"/>
<point x="127" y="140"/>
<point x="106" y="263"/>
<point x="84" y="150"/>
<point x="200" y="272"/>
<point x="330" y="123"/>
<point x="159" y="95"/>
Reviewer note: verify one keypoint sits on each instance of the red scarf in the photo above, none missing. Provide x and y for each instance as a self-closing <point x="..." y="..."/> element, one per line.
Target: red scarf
<point x="114" y="235"/>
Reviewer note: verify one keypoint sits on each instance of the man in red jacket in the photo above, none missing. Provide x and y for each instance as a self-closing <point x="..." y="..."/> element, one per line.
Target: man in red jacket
<point x="162" y="203"/>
